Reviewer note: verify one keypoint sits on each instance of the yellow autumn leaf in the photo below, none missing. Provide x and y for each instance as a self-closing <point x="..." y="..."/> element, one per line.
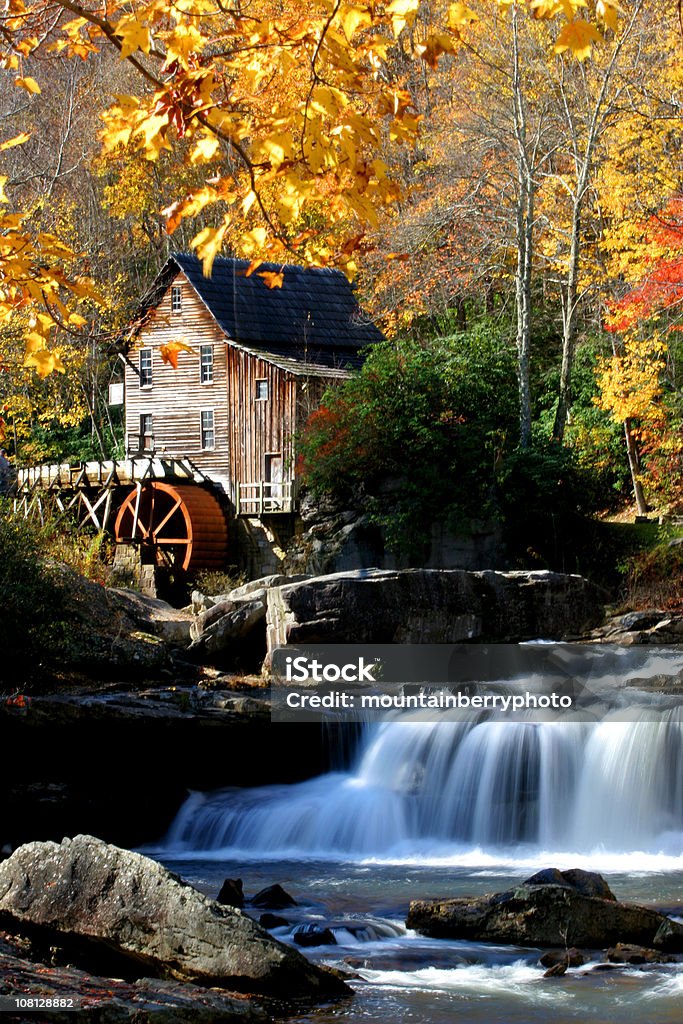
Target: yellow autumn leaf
<point x="578" y="37"/>
<point x="18" y="140"/>
<point x="352" y="18"/>
<point x="133" y="35"/>
<point x="153" y="130"/>
<point x="608" y="13"/>
<point x="207" y="245"/>
<point x="273" y="278"/>
<point x="460" y="14"/>
<point x="29" y="84"/>
<point x="44" y="362"/>
<point x="3" y="182"/>
<point x="254" y="240"/>
<point x="402" y="13"/>
<point x="181" y="42"/>
<point x="276" y="148"/>
<point x="205" y="149"/>
<point x="326" y="100"/>
<point x="33" y="342"/>
<point x="549" y="8"/>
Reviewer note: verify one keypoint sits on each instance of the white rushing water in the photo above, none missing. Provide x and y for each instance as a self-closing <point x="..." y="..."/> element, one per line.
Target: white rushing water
<point x="437" y="789"/>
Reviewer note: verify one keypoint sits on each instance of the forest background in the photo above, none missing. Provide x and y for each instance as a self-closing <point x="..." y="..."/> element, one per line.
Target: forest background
<point x="503" y="181"/>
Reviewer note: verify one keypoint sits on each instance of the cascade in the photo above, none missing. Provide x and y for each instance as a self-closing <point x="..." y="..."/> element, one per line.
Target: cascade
<point x="614" y="783"/>
<point x="553" y="785"/>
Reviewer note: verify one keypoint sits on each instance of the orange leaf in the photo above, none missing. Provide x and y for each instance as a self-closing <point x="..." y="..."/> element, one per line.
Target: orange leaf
<point x="272" y="278"/>
<point x="170" y="352"/>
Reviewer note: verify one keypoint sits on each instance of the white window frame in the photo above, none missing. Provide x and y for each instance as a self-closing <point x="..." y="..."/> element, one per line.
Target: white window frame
<point x="146" y="369"/>
<point x="176" y="298"/>
<point x="261" y="398"/>
<point x="204" y="431"/>
<point x="206" y="368"/>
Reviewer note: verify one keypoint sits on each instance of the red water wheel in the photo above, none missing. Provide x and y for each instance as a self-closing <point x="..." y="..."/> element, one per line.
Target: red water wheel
<point x="183" y="525"/>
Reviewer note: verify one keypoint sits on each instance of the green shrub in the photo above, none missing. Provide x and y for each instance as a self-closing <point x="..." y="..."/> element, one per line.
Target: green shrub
<point x="31" y="623"/>
<point x="422" y="427"/>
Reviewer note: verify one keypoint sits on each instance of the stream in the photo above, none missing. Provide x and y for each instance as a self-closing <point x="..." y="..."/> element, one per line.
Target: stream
<point x="427" y="809"/>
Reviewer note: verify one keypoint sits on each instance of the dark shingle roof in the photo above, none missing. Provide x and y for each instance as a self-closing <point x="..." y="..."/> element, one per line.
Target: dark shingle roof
<point x="313" y="318"/>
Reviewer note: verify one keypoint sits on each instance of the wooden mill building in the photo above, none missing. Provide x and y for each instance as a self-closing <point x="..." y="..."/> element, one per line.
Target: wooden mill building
<point x="261" y="357"/>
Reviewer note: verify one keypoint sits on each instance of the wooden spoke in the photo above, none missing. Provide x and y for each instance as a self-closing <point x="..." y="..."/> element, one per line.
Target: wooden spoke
<point x="183" y="524"/>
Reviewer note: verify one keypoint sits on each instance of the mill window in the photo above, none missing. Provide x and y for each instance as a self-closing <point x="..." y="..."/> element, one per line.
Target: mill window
<point x="206" y="364"/>
<point x="145" y="367"/>
<point x="207" y="429"/>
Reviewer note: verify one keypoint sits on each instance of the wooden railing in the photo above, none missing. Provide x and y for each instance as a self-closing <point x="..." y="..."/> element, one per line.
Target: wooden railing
<point x="264" y="497"/>
<point x="139" y="444"/>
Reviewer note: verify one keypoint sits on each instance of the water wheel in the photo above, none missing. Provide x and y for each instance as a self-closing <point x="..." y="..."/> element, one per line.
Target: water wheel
<point x="182" y="525"/>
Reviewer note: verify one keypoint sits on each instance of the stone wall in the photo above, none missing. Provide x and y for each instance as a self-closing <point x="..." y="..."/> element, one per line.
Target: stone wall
<point x="261" y="544"/>
<point x="131" y="571"/>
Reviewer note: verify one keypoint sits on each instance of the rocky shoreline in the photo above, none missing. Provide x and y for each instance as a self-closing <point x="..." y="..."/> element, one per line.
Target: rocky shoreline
<point x="129" y="940"/>
<point x="133" y="926"/>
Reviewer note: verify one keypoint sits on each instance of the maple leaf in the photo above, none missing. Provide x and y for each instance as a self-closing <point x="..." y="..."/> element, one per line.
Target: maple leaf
<point x="207" y="245"/>
<point x="29" y="84"/>
<point x="459" y="14"/>
<point x="171" y="350"/>
<point x="133" y="35"/>
<point x="402" y="13"/>
<point x="578" y="36"/>
<point x="205" y="149"/>
<point x="352" y="18"/>
<point x="434" y="46"/>
<point x="608" y="12"/>
<point x="44" y="362"/>
<point x="272" y="278"/>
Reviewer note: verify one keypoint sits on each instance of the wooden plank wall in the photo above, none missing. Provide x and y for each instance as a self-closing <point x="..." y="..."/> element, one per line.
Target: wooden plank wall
<point x="177" y="396"/>
<point x="257" y="427"/>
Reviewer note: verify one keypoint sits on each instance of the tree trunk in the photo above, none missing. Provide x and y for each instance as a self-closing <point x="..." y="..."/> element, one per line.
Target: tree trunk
<point x="525" y="239"/>
<point x="568" y="324"/>
<point x="634" y="466"/>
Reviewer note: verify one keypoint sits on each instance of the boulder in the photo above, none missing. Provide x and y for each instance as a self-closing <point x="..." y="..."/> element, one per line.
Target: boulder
<point x="273" y="897"/>
<point x="623" y="953"/>
<point x="228" y="623"/>
<point x="231" y="893"/>
<point x="313" y="935"/>
<point x="270" y="921"/>
<point x="264" y="583"/>
<point x="546" y="914"/>
<point x="588" y="883"/>
<point x="669" y="936"/>
<point x="558" y="970"/>
<point x="649" y="626"/>
<point x="90" y="895"/>
<point x="153" y="615"/>
<point x="436" y="606"/>
<point x="569" y="957"/>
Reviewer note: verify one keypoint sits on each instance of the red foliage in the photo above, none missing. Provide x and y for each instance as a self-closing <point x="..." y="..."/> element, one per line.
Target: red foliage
<point x="662" y="285"/>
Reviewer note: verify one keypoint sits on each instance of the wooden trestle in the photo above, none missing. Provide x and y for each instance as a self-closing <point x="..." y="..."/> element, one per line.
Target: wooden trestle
<point x="165" y="505"/>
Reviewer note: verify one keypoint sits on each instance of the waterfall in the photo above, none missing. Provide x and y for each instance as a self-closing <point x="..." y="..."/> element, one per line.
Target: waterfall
<point x="487" y="784"/>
